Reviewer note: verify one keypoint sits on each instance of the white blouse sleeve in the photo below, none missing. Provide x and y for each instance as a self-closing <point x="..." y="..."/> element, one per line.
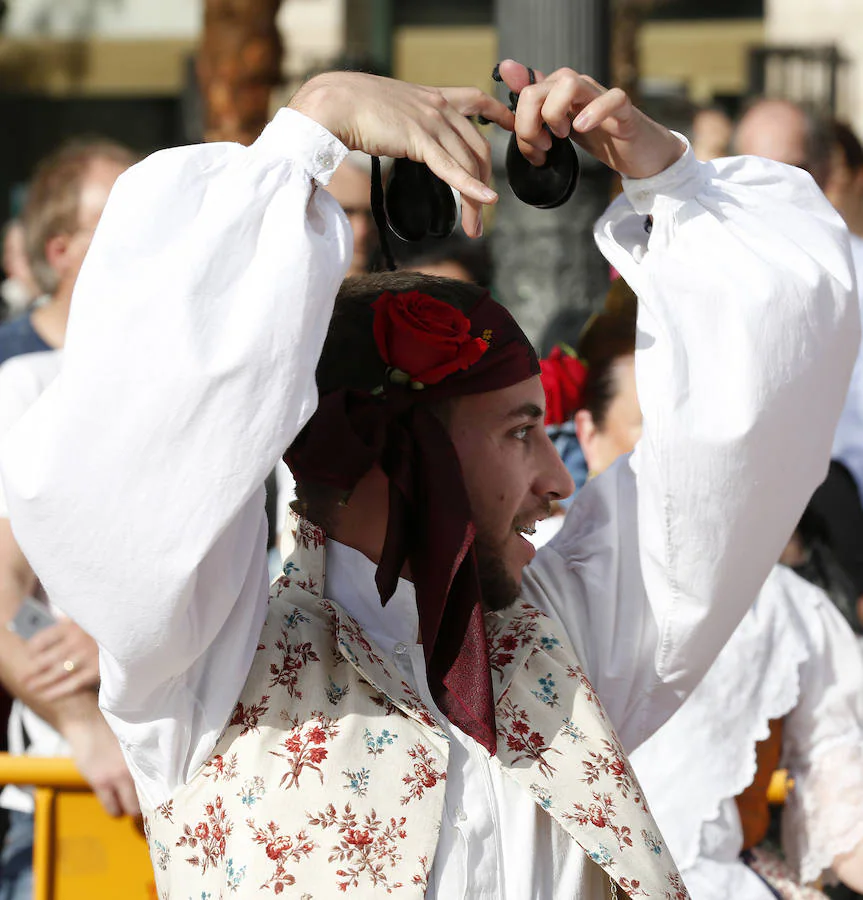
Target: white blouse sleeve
<point x="22" y="380"/>
<point x="135" y="484"/>
<point x="822" y="747"/>
<point x="747" y="332"/>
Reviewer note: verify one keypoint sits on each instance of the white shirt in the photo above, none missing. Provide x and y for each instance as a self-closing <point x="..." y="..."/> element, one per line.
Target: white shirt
<point x="495" y="841"/>
<point x="848" y="442"/>
<point x="22" y="381"/>
<point x="175" y="402"/>
<point x="794" y="658"/>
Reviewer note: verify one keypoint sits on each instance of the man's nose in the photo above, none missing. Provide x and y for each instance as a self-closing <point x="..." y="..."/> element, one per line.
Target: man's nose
<point x="555" y="480"/>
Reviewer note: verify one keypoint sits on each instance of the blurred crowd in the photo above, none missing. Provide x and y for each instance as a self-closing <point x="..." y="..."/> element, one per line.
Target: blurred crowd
<point x="772" y="697"/>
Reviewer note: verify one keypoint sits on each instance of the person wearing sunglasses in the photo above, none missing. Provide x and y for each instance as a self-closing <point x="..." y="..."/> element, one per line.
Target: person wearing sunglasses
<point x="408" y="710"/>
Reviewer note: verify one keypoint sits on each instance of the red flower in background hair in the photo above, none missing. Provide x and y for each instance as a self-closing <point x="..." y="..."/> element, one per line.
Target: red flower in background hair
<point x="563" y="378"/>
<point x="424" y="337"/>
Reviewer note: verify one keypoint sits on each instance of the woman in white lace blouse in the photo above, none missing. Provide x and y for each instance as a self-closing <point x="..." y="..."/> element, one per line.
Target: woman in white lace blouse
<point x="789" y="682"/>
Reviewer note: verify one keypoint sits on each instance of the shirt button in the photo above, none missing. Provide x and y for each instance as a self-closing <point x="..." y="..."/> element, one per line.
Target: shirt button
<point x="325" y="158"/>
<point x="460" y="815"/>
<point x="400" y="648"/>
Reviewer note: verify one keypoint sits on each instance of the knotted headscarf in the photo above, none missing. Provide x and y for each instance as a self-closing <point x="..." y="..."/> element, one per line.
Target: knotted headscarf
<point x="431" y="352"/>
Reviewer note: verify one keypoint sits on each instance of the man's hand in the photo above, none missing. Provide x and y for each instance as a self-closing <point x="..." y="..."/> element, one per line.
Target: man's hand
<point x="98" y="757"/>
<point x="65" y="659"/>
<point x="604" y="122"/>
<point x="429" y="125"/>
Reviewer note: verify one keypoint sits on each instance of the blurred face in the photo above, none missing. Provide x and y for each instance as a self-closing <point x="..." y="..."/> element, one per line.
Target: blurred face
<point x="711" y="134"/>
<point x="351" y="186"/>
<point x="775" y="130"/>
<point x="66" y="252"/>
<point x="844" y="186"/>
<point x="621" y="428"/>
<point x="512" y="473"/>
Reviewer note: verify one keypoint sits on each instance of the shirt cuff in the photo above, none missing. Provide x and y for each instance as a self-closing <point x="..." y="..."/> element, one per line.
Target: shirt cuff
<point x="681" y="181"/>
<point x="292" y="134"/>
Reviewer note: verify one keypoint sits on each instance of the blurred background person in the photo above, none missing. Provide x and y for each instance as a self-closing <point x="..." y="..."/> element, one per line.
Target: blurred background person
<point x="456" y="256"/>
<point x="51" y="667"/>
<point x="18" y="288"/>
<point x="788" y="133"/>
<point x="826" y="548"/>
<point x="351" y="185"/>
<point x="788" y="687"/>
<point x="844" y="187"/>
<point x="711" y="130"/>
<point x="64" y="202"/>
<point x="562" y="380"/>
<point x="589" y="400"/>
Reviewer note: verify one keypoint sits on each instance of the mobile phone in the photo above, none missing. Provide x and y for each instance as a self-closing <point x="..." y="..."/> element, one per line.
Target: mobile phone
<point x="32" y="617"/>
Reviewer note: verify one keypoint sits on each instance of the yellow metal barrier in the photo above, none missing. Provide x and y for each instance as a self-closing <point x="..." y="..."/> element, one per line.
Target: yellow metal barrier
<point x="781" y="785"/>
<point x="79" y="851"/>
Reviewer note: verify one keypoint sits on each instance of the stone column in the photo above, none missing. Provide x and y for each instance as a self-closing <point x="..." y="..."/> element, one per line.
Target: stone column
<point x="546" y="260"/>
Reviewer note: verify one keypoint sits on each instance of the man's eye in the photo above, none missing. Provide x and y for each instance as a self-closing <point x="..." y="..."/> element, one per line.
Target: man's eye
<point x="521" y="434"/>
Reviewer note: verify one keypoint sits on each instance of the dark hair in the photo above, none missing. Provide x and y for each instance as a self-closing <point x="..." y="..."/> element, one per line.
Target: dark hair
<point x="847" y="141"/>
<point x="350" y="358"/>
<point x="564" y="327"/>
<point x="608" y="336"/>
<point x="473" y="255"/>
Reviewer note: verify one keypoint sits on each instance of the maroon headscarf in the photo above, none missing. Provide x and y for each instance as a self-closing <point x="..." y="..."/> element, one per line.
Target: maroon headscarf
<point x="434" y="352"/>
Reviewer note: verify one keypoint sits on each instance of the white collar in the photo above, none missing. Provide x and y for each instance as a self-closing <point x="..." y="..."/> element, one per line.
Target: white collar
<point x="350" y="582"/>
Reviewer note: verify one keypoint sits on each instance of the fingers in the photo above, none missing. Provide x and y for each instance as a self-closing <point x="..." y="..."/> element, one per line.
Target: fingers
<point x="46" y="671"/>
<point x="109" y="798"/>
<point x="60" y="671"/>
<point x="477" y="154"/>
<point x="516" y="76"/>
<point x="477" y="146"/>
<point x="558" y="104"/>
<point x="474" y="102"/>
<point x="613" y="104"/>
<point x="128" y="797"/>
<point x="456" y="152"/>
<point x="46" y="638"/>
<point x="474" y="194"/>
<point x="80" y="680"/>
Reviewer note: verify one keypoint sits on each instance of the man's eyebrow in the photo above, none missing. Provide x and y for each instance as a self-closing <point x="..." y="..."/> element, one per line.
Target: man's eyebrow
<point x="529" y="410"/>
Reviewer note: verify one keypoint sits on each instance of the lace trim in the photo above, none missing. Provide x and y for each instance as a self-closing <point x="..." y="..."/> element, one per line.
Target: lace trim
<point x="821" y="819"/>
<point x="693" y="734"/>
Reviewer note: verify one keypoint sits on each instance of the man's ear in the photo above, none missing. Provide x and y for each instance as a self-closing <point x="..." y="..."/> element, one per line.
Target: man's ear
<point x="585" y="430"/>
<point x="56" y="250"/>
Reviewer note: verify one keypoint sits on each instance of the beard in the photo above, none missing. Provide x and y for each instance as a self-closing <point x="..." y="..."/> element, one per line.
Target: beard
<point x="499" y="589"/>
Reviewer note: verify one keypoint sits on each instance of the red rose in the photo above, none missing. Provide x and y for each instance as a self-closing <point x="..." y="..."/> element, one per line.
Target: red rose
<point x="563" y="378"/>
<point x="423" y="337"/>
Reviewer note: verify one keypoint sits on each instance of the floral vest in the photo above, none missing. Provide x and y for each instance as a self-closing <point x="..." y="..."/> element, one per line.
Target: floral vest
<point x="330" y="775"/>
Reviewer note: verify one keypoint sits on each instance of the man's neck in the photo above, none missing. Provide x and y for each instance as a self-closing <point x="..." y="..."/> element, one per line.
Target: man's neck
<point x="49" y="320"/>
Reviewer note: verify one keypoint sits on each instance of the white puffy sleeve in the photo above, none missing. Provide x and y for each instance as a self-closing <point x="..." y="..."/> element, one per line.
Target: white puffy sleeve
<point x="822" y="746"/>
<point x="747" y="332"/>
<point x="135" y="484"/>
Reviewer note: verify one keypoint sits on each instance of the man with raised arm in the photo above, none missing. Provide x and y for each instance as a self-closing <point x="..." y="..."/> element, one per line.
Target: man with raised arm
<point x="394" y="719"/>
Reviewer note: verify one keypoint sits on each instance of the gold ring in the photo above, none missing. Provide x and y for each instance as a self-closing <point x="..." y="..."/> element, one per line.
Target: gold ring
<point x="69" y="666"/>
